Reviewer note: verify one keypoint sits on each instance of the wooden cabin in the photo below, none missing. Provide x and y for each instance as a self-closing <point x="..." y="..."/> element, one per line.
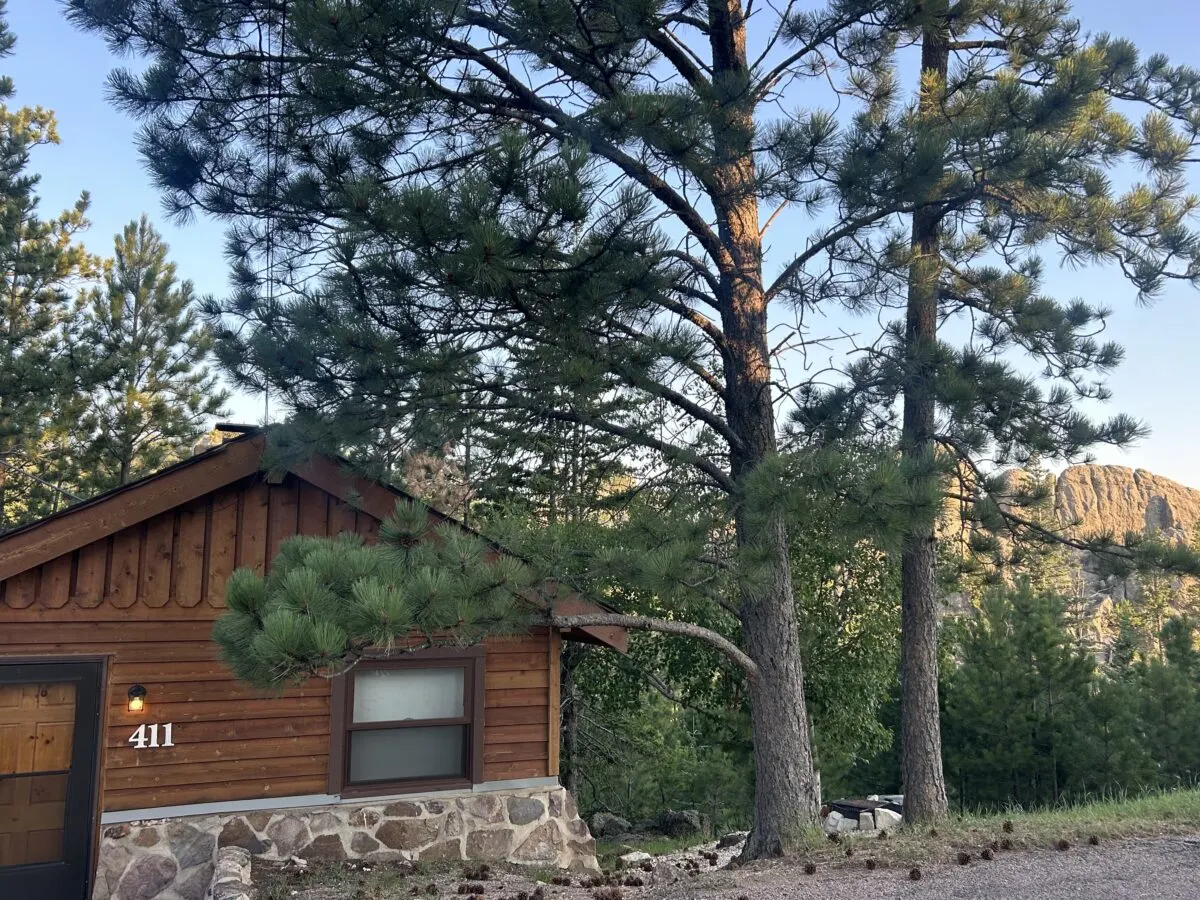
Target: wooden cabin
<point x="129" y="754"/>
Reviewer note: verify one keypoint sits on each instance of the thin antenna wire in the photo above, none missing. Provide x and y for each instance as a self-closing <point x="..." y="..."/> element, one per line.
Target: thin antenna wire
<point x="272" y="175"/>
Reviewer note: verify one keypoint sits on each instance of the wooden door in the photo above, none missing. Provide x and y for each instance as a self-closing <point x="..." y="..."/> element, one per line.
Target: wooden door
<point x="49" y="725"/>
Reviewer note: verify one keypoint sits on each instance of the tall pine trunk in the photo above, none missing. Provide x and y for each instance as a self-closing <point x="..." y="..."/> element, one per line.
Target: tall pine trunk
<point x="785" y="798"/>
<point x="920" y="722"/>
<point x="569" y="711"/>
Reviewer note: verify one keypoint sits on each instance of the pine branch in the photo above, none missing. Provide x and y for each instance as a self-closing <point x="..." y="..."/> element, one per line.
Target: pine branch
<point x="663" y="626"/>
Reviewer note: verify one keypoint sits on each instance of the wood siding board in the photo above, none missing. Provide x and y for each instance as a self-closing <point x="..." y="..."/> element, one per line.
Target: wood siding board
<point x="372" y="498"/>
<point x="231" y="691"/>
<point x="499" y="753"/>
<point x="553" y="713"/>
<point x="87" y="591"/>
<point x="222" y="546"/>
<point x="20" y="591"/>
<point x="155" y="588"/>
<point x="124" y="569"/>
<point x="91" y="522"/>
<point x="522" y="678"/>
<point x="252" y="528"/>
<point x="55" y="589"/>
<point x="280" y="785"/>
<point x="188" y="556"/>
<point x="218" y="711"/>
<point x="113" y="631"/>
<point x="504" y="771"/>
<point x="518" y="697"/>
<point x="500" y="716"/>
<point x="283" y="515"/>
<point x="367" y="526"/>
<point x="314" y="510"/>
<point x="143" y="777"/>
<point x="341" y="518"/>
<point x="192" y="752"/>
<point x="273" y="729"/>
<point x="515" y="734"/>
<point x="509" y="662"/>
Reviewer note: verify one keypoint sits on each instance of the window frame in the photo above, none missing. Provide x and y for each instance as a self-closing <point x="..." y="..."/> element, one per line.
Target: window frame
<point x="342" y="721"/>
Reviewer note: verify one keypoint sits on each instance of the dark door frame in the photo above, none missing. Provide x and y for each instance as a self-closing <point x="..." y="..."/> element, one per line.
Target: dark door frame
<point x="75" y="873"/>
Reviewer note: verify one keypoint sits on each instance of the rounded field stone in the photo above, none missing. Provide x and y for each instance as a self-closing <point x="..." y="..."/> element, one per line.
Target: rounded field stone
<point x="289" y="835"/>
<point x="493" y="844"/>
<point x="541" y="846"/>
<point x="190" y="845"/>
<point x="363" y="843"/>
<point x="147" y="837"/>
<point x="327" y="847"/>
<point x="484" y="807"/>
<point x="403" y="809"/>
<point x="195" y="886"/>
<point x="364" y="818"/>
<point x="259" y="820"/>
<point x="407" y="834"/>
<point x="523" y="810"/>
<point x="237" y="833"/>
<point x="442" y="850"/>
<point x="148" y="877"/>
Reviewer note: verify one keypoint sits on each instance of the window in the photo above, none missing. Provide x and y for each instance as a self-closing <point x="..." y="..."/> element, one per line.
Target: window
<point x="411" y="722"/>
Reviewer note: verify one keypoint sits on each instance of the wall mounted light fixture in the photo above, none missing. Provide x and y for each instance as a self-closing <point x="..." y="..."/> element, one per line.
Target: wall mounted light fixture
<point x="137" y="699"/>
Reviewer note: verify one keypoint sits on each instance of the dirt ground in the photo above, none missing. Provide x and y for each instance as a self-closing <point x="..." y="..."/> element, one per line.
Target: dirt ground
<point x="1165" y="868"/>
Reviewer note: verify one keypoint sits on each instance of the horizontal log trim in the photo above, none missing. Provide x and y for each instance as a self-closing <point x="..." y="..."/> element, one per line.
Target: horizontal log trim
<point x="134" y="617"/>
<point x="498" y="753"/>
<point x="528" y="678"/>
<point x="517" y="697"/>
<point x="217" y="710"/>
<point x="190" y="751"/>
<point x="507" y="662"/>
<point x="144" y="798"/>
<point x="230" y="770"/>
<point x="500" y="716"/>
<point x="207" y="732"/>
<point x="141" y="654"/>
<point x="514" y="734"/>
<point x="232" y="691"/>
<point x="506" y="771"/>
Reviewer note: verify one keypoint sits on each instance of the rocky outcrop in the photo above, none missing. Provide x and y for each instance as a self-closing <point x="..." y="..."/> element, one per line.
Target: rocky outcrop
<point x="1095" y="500"/>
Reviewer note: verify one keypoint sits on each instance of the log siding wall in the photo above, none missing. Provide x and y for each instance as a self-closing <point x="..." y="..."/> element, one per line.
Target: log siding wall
<point x="147" y="597"/>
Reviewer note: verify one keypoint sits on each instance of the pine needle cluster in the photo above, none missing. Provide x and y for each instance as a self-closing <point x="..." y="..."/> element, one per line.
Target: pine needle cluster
<point x="329" y="601"/>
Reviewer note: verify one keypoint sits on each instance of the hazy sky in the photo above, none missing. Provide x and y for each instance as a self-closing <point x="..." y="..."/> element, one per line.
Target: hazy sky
<point x="57" y="67"/>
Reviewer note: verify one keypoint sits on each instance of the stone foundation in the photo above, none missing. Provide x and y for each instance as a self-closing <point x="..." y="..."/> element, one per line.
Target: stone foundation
<point x="173" y="859"/>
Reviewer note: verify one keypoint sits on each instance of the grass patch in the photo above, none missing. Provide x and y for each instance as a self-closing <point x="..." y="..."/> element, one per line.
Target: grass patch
<point x="1150" y="815"/>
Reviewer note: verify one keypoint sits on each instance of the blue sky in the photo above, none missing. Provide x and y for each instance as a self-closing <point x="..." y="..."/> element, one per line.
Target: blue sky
<point x="57" y="67"/>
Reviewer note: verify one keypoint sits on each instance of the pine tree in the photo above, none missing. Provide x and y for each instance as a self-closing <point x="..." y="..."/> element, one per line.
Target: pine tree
<point x="1016" y="707"/>
<point x="565" y="207"/>
<point x="1007" y="156"/>
<point x="149" y="395"/>
<point x="39" y="261"/>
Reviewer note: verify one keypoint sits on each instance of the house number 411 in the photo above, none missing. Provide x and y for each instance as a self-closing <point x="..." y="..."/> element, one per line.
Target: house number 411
<point x="147" y="736"/>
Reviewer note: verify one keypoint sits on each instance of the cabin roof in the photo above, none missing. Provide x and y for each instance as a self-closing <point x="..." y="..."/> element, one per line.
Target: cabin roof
<point x="97" y="517"/>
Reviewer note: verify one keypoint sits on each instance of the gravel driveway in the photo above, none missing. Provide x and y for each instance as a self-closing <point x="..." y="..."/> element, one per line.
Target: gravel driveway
<point x="1161" y="868"/>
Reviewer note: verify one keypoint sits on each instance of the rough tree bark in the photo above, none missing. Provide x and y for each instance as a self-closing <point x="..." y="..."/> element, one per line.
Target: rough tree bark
<point x="569" y="706"/>
<point x="785" y="799"/>
<point x="920" y="723"/>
